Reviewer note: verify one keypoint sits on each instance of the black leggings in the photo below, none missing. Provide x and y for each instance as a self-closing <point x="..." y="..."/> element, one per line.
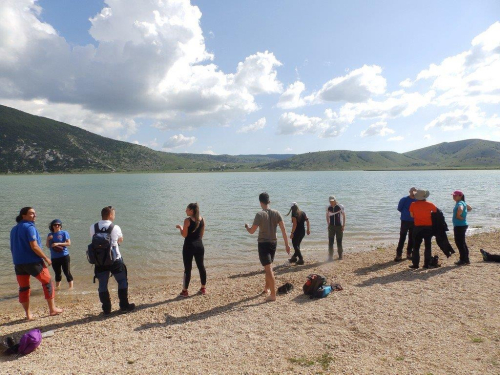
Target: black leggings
<point x="197" y="251"/>
<point x="296" y="240"/>
<point x="64" y="263"/>
<point x="459" y="233"/>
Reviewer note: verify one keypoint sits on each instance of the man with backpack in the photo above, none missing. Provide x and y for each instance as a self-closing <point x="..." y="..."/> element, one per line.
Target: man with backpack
<point x="105" y="254"/>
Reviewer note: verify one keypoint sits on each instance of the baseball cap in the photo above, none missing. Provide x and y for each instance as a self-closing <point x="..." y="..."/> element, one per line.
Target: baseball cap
<point x="332" y="198"/>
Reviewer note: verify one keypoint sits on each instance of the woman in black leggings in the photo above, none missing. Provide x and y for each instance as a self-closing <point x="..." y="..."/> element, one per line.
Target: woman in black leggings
<point x="299" y="218"/>
<point x="192" y="231"/>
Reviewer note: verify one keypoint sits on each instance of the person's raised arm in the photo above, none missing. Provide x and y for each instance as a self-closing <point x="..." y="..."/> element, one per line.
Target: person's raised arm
<point x="184" y="229"/>
<point x="285" y="238"/>
<point x="36" y="249"/>
<point x="469" y="208"/>
<point x="343" y="220"/>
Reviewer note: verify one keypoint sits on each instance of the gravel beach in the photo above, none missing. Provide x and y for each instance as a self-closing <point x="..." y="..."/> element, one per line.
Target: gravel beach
<point x="387" y="320"/>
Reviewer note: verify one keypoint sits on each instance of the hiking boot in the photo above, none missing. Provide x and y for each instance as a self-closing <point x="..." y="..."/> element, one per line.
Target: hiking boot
<point x="130" y="307"/>
<point x="292" y="260"/>
<point x="462" y="263"/>
<point x="184" y="293"/>
<point x="300" y="262"/>
<point x="398" y="258"/>
<point x="413" y="266"/>
<point x="106" y="302"/>
<point x="125" y="306"/>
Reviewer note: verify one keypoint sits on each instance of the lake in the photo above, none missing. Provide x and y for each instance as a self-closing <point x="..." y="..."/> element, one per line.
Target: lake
<point x="148" y="206"/>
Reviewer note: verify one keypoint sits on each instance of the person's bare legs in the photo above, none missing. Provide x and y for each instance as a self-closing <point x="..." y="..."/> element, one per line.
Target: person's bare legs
<point x="58" y="284"/>
<point x="26" y="307"/>
<point x="270" y="282"/>
<point x="71" y="284"/>
<point x="53" y="310"/>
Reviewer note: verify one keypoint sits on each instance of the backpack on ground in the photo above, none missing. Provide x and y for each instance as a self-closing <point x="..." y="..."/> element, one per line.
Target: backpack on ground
<point x="29" y="342"/>
<point x="313" y="283"/>
<point x="100" y="252"/>
<point x="322" y="291"/>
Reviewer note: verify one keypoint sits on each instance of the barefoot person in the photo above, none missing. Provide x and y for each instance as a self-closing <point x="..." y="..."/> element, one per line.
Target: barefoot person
<point x="407" y="224"/>
<point x="267" y="221"/>
<point x="192" y="231"/>
<point x="29" y="258"/>
<point x="117" y="268"/>
<point x="299" y="218"/>
<point x="58" y="241"/>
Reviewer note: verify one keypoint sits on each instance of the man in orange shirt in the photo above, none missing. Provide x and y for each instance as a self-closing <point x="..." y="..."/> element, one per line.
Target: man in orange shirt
<point x="421" y="211"/>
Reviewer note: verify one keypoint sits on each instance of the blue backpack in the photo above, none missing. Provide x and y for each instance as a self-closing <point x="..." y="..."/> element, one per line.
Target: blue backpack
<point x="322" y="292"/>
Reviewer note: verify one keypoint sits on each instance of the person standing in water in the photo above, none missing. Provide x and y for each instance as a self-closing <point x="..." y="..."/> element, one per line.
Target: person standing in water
<point x="267" y="221"/>
<point x="29" y="258"/>
<point x="58" y="241"/>
<point x="192" y="231"/>
<point x="299" y="218"/>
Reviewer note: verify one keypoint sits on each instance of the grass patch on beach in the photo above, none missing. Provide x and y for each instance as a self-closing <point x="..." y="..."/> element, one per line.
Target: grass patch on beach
<point x="477" y="340"/>
<point x="324" y="361"/>
<point x="400" y="358"/>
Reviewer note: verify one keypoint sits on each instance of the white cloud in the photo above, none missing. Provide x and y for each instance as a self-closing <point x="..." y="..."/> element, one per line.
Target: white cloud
<point x="258" y="125"/>
<point x="177" y="141"/>
<point x="209" y="152"/>
<point x="331" y="125"/>
<point x="291" y="98"/>
<point x="355" y="87"/>
<point x="379" y="128"/>
<point x="288" y="149"/>
<point x="471" y="77"/>
<point x="396" y="139"/>
<point x="149" y="60"/>
<point x="406" y="83"/>
<point x="463" y="118"/>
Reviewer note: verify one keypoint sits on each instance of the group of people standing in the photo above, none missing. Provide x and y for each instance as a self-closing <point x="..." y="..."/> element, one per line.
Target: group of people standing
<point x="30" y="260"/>
<point x="418" y="222"/>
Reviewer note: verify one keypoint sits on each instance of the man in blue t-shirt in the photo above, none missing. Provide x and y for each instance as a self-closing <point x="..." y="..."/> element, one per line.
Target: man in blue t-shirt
<point x="406" y="226"/>
<point x="29" y="258"/>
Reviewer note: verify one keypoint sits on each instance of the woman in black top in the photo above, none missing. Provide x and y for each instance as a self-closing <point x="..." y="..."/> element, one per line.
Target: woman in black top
<point x="192" y="231"/>
<point x="298" y="232"/>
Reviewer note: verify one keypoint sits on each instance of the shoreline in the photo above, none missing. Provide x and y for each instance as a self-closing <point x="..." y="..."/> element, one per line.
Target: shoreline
<point x="387" y="320"/>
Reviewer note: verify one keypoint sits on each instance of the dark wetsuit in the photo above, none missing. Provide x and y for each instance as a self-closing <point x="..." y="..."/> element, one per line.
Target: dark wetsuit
<point x="193" y="247"/>
<point x="298" y="234"/>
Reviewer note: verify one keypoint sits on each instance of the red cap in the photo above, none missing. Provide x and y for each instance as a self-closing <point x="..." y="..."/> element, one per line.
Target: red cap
<point x="457" y="192"/>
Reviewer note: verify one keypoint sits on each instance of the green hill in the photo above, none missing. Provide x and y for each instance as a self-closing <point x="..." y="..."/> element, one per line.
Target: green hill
<point x="32" y="144"/>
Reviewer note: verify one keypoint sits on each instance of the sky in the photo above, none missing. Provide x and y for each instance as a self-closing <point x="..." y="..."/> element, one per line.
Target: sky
<point x="257" y="76"/>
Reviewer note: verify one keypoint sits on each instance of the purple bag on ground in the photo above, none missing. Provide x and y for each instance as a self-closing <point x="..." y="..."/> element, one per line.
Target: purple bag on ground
<point x="30" y="341"/>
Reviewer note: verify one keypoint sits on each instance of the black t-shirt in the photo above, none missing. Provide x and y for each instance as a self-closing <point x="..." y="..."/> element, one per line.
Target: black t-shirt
<point x="301" y="220"/>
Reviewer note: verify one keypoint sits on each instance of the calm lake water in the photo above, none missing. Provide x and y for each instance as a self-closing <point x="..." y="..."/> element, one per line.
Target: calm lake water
<point x="148" y="206"/>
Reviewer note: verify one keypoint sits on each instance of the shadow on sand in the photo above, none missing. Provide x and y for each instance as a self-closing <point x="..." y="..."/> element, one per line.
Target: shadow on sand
<point x="406" y="275"/>
<point x="279" y="270"/>
<point x="233" y="306"/>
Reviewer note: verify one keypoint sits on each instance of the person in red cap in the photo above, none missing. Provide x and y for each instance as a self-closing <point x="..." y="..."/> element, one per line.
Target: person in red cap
<point x="460" y="226"/>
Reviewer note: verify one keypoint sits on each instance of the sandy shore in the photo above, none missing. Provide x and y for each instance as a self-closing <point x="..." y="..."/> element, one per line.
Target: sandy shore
<point x="387" y="320"/>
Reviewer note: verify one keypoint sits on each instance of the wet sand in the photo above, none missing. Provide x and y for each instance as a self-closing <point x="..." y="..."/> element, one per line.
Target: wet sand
<point x="387" y="320"/>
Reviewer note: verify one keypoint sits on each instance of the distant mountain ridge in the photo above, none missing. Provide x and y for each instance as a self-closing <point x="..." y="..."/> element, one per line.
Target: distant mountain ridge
<point x="33" y="144"/>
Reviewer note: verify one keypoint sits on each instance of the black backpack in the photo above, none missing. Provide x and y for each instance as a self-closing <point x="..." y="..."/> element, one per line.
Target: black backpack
<point x="313" y="283"/>
<point x="99" y="251"/>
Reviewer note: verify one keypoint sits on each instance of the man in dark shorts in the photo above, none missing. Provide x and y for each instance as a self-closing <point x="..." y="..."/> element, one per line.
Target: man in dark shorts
<point x="267" y="221"/>
<point x="29" y="258"/>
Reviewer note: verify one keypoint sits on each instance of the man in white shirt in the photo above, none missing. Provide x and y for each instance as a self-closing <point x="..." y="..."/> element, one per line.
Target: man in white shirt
<point x="117" y="269"/>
